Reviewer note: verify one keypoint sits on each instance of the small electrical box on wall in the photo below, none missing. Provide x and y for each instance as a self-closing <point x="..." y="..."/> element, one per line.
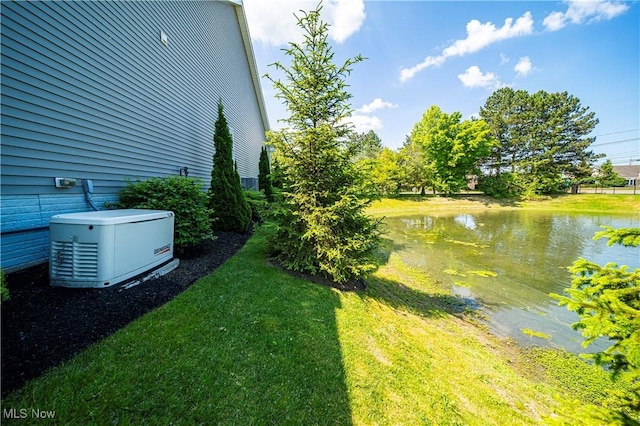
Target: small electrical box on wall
<point x="164" y="38"/>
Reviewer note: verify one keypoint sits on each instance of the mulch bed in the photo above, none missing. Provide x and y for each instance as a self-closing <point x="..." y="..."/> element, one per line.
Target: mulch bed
<point x="43" y="326"/>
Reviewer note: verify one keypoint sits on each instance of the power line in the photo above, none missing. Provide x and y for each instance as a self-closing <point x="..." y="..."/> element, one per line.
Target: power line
<point x="612" y="142"/>
<point x="616" y="133"/>
<point x="626" y="154"/>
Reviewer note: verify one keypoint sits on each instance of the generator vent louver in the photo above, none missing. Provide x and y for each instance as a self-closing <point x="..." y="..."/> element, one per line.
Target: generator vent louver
<point x="71" y="259"/>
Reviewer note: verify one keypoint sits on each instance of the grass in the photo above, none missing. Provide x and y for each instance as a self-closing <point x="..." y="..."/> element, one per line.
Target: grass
<point x="250" y="344"/>
<point x="587" y="203"/>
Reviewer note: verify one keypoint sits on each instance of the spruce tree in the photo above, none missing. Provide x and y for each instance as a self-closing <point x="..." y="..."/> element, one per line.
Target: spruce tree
<point x="264" y="175"/>
<point x="321" y="222"/>
<point x="230" y="211"/>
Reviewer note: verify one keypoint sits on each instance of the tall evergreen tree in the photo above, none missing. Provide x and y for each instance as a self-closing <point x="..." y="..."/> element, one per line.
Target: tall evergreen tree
<point x="230" y="211"/>
<point x="322" y="225"/>
<point x="541" y="137"/>
<point x="367" y="145"/>
<point x="607" y="176"/>
<point x="264" y="174"/>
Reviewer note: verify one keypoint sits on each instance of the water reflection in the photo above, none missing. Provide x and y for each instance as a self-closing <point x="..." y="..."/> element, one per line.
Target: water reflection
<point x="511" y="261"/>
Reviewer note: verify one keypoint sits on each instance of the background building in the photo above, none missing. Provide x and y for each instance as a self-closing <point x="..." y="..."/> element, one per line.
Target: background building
<point x="631" y="173"/>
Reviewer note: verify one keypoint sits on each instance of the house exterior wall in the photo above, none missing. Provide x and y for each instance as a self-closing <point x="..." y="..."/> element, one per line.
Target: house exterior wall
<point x="91" y="91"/>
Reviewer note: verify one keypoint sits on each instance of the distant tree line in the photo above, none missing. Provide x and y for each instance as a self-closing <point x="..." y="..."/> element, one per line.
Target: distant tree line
<point x="522" y="144"/>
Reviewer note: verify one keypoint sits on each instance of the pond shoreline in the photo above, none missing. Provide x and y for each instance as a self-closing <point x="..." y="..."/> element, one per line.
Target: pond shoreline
<point x="588" y="203"/>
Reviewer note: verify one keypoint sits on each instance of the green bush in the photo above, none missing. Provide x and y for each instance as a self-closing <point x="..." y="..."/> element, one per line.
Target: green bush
<point x="183" y="196"/>
<point x="4" y="291"/>
<point x="541" y="184"/>
<point x="500" y="186"/>
<point x="258" y="204"/>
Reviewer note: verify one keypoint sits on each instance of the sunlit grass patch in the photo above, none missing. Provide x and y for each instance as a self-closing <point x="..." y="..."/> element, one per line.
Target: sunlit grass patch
<point x="604" y="203"/>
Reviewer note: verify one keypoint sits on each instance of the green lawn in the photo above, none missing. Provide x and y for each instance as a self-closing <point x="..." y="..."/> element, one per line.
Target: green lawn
<point x="250" y="344"/>
<point x="592" y="203"/>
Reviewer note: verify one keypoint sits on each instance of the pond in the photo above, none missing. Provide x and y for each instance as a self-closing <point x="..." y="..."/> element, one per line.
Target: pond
<point x="509" y="262"/>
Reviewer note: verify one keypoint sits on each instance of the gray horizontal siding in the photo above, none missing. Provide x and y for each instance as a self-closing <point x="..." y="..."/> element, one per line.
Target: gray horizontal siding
<point x="20" y="212"/>
<point x="23" y="250"/>
<point x="89" y="91"/>
<point x="25" y="222"/>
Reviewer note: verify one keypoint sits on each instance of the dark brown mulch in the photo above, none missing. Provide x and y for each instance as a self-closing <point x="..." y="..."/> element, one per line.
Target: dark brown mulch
<point x="43" y="326"/>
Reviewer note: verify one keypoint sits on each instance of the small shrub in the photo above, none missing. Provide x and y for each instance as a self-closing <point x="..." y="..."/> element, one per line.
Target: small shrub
<point x="4" y="291"/>
<point x="541" y="184"/>
<point x="183" y="196"/>
<point x="501" y="186"/>
<point x="258" y="204"/>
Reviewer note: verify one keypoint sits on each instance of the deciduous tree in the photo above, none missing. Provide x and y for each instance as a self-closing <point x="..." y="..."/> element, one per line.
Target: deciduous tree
<point x="451" y="148"/>
<point x="414" y="172"/>
<point x="385" y="174"/>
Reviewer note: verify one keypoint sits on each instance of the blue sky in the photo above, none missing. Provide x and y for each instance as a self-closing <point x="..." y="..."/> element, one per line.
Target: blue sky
<point x="456" y="54"/>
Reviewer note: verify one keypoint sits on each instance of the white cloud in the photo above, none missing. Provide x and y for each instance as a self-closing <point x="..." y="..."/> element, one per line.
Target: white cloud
<point x="473" y="77"/>
<point x="273" y="22"/>
<point x="524" y="67"/>
<point x="503" y="59"/>
<point x="346" y="17"/>
<point x="375" y="105"/>
<point x="554" y="21"/>
<point x="364" y="123"/>
<point x="429" y="61"/>
<point x="479" y="36"/>
<point x="581" y="11"/>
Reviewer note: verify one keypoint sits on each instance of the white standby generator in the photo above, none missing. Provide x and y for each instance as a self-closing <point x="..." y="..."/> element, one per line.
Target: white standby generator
<point x="103" y="248"/>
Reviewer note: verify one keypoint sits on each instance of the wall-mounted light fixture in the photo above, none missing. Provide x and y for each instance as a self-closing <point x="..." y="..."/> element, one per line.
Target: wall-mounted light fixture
<point x="164" y="39"/>
<point x="184" y="170"/>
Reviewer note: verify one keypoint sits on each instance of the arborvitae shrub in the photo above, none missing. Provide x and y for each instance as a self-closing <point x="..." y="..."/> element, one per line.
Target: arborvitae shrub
<point x="227" y="202"/>
<point x="183" y="196"/>
<point x="264" y="175"/>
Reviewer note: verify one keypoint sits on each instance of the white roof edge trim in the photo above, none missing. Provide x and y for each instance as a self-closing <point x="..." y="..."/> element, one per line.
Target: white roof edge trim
<point x="251" y="59"/>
